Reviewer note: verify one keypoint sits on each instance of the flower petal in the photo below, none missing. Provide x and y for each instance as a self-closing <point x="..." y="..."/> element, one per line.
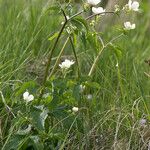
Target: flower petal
<point x="93" y="2"/>
<point x="98" y="10"/>
<point x="25" y="95"/>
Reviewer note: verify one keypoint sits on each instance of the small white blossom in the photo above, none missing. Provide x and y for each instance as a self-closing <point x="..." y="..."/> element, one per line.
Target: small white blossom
<point x="82" y="87"/>
<point x="89" y="96"/>
<point x="117" y="65"/>
<point x="117" y="8"/>
<point x="129" y="26"/>
<point x="98" y="10"/>
<point x="75" y="109"/>
<point x="66" y="64"/>
<point x="62" y="22"/>
<point x="67" y="17"/>
<point x="133" y="5"/>
<point x="28" y="97"/>
<point x="93" y="2"/>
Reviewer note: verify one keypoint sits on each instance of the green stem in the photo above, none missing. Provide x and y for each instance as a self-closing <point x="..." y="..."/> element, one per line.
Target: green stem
<point x="120" y="82"/>
<point x="107" y="12"/>
<point x="76" y="14"/>
<point x="58" y="58"/>
<point x="75" y="55"/>
<point x="95" y="62"/>
<point x="99" y="54"/>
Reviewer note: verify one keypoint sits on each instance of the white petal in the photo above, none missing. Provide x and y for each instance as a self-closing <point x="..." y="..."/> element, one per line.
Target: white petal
<point x="98" y="10"/>
<point x="133" y="26"/>
<point x="60" y="65"/>
<point x="25" y="95"/>
<point x="89" y="96"/>
<point x="130" y="4"/>
<point x="135" y="6"/>
<point x="66" y="64"/>
<point x="30" y="98"/>
<point x="93" y="2"/>
<point x="75" y="109"/>
<point x="127" y="25"/>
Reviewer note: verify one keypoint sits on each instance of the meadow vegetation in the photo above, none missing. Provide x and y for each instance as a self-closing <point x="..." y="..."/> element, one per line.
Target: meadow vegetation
<point x="70" y="79"/>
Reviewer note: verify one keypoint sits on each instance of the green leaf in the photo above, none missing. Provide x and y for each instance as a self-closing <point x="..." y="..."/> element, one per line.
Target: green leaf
<point x="83" y="38"/>
<point x="39" y="115"/>
<point x="92" y="40"/>
<point x="76" y="92"/>
<point x="53" y="9"/>
<point x="117" y="50"/>
<point x="92" y="85"/>
<point x="25" y="86"/>
<point x="55" y="35"/>
<point x="36" y="142"/>
<point x="60" y="113"/>
<point x="80" y="23"/>
<point x="15" y="142"/>
<point x="24" y="131"/>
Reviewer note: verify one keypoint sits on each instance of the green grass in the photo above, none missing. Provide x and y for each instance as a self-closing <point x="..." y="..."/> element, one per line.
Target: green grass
<point x="112" y="118"/>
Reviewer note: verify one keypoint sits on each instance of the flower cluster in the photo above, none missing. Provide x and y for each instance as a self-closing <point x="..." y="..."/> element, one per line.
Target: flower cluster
<point x="131" y="6"/>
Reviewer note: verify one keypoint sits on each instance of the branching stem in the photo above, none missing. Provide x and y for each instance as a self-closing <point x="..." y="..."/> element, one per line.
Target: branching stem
<point x="53" y="48"/>
<point x="99" y="54"/>
<point x="107" y="12"/>
<point x="58" y="58"/>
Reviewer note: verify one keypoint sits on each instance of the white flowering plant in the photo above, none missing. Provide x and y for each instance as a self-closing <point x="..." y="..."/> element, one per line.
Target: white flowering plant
<point x="48" y="112"/>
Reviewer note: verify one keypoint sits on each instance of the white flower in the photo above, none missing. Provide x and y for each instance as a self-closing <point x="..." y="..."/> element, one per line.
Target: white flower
<point x="66" y="64"/>
<point x="89" y="96"/>
<point x="98" y="10"/>
<point x="133" y="5"/>
<point x="27" y="97"/>
<point x="93" y="2"/>
<point x="75" y="109"/>
<point x="82" y="87"/>
<point x="129" y="26"/>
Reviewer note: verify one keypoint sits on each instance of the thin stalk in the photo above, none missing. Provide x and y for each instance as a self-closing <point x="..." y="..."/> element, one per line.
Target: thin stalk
<point x="95" y="62"/>
<point x="114" y="39"/>
<point x="77" y="14"/>
<point x="6" y="106"/>
<point x="107" y="12"/>
<point x="58" y="58"/>
<point x="99" y="54"/>
<point x="120" y="81"/>
<point x="75" y="55"/>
